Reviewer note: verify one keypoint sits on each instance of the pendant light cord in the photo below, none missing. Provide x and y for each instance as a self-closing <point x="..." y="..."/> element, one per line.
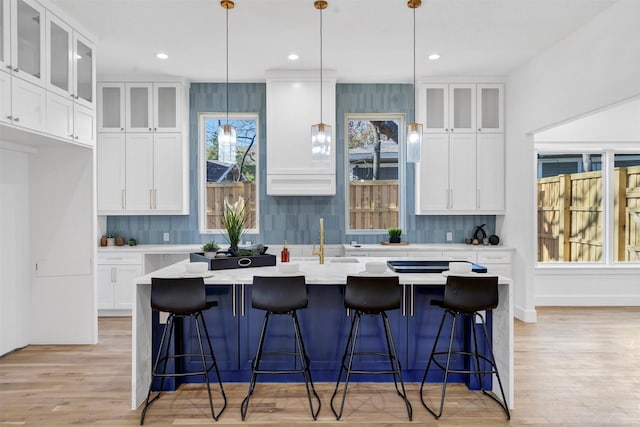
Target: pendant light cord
<point x="320" y="65"/>
<point x="414" y="65"/>
<point x="227" y="60"/>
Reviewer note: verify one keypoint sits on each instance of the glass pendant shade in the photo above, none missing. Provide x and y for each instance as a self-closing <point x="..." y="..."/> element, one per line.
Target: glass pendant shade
<point x="320" y="142"/>
<point x="227" y="134"/>
<point x="414" y="142"/>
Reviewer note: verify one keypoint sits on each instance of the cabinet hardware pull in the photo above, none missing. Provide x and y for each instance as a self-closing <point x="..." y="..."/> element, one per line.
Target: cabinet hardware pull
<point x="76" y="137"/>
<point x="121" y="128"/>
<point x="149" y="128"/>
<point x="124" y="198"/>
<point x="16" y="69"/>
<point x="404" y="295"/>
<point x="17" y="119"/>
<point x="478" y="198"/>
<point x="479" y="129"/>
<point x="9" y="66"/>
<point x="71" y="95"/>
<point x="411" y="300"/>
<point x="10" y="117"/>
<point x="155" y="198"/>
<point x="113" y="270"/>
<point x="233" y="300"/>
<point x="150" y="198"/>
<point x="155" y="129"/>
<point x="242" y="302"/>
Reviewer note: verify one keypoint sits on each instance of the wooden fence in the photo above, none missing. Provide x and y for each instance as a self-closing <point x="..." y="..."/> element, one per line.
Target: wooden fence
<point x="570" y="216"/>
<point x="217" y="192"/>
<point x="373" y="204"/>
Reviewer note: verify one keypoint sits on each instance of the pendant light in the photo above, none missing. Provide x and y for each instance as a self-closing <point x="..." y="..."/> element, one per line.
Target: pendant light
<point x="226" y="132"/>
<point x="321" y="132"/>
<point x="414" y="130"/>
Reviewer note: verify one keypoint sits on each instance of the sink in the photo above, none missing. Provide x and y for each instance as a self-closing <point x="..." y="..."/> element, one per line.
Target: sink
<point x="343" y="259"/>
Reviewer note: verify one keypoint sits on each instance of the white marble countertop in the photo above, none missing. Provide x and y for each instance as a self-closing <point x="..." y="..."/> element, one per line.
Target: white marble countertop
<point x="425" y="247"/>
<point x="333" y="271"/>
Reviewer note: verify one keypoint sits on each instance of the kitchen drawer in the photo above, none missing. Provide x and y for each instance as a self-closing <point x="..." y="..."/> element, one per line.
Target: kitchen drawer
<point x="461" y="255"/>
<point x="115" y="258"/>
<point x="494" y="257"/>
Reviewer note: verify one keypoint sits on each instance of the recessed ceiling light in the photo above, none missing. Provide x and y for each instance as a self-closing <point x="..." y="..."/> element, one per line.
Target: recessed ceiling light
<point x="162" y="55"/>
<point x="293" y="57"/>
<point x="434" y="56"/>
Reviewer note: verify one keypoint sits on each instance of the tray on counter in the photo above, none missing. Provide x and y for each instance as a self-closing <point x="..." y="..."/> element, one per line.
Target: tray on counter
<point x="420" y="266"/>
<point x="227" y="263"/>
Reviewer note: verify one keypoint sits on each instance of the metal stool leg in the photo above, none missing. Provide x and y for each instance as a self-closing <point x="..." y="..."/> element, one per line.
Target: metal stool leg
<point x="304" y="361"/>
<point x="355" y="325"/>
<point x="504" y="404"/>
<point x="396" y="367"/>
<point x="255" y="365"/>
<point x="431" y="358"/>
<point x="204" y="365"/>
<point x="215" y="366"/>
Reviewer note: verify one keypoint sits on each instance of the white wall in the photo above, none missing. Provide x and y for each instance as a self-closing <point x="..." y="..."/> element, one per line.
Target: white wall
<point x="596" y="66"/>
<point x="15" y="275"/>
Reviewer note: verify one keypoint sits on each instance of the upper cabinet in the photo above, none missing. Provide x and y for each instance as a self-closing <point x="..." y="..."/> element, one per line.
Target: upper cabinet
<point x="23" y="39"/>
<point x="293" y="106"/>
<point x="111" y="107"/>
<point x="462" y="167"/>
<point x="153" y="107"/>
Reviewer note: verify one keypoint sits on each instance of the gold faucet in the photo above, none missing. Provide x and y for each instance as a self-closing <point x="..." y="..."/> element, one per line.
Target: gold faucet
<point x="320" y="252"/>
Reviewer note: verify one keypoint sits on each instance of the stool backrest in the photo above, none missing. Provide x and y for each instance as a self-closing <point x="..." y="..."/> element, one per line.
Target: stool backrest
<point x="178" y="295"/>
<point x="372" y="294"/>
<point x="468" y="294"/>
<point x="279" y="294"/>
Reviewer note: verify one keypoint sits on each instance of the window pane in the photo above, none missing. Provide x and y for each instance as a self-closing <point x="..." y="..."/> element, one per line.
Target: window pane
<point x="626" y="199"/>
<point x="372" y="170"/>
<point x="570" y="208"/>
<point x="231" y="170"/>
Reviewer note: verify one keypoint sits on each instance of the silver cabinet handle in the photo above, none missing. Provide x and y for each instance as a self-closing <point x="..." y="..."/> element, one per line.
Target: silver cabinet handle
<point x="149" y="128"/>
<point x="478" y="198"/>
<point x="16" y="119"/>
<point x="71" y="95"/>
<point x="113" y="271"/>
<point x="16" y="69"/>
<point x="150" y="198"/>
<point x="233" y="300"/>
<point x="412" y="296"/>
<point x="9" y="66"/>
<point x="122" y="197"/>
<point x="76" y="137"/>
<point x="121" y="128"/>
<point x="404" y="305"/>
<point x="242" y="301"/>
<point x="10" y="117"/>
<point x="155" y="198"/>
<point x="451" y="199"/>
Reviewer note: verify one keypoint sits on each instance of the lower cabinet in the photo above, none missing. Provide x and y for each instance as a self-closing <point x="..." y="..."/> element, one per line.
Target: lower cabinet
<point x="116" y="274"/>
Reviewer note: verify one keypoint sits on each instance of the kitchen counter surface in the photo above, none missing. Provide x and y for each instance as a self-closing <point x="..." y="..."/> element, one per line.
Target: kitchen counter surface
<point x="333" y="272"/>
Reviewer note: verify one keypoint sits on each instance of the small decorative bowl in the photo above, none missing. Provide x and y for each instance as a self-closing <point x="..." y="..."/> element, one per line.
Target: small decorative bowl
<point x="460" y="267"/>
<point x="375" y="267"/>
<point x="288" y="267"/>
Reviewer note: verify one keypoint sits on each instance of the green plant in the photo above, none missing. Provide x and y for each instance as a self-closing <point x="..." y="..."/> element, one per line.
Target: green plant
<point x="211" y="246"/>
<point x="234" y="219"/>
<point x="394" y="232"/>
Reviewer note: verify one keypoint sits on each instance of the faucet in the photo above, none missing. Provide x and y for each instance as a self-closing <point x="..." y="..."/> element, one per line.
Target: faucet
<point x="320" y="252"/>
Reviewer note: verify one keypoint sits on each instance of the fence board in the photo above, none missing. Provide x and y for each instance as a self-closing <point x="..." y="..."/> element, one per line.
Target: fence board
<point x="217" y="192"/>
<point x="373" y="204"/>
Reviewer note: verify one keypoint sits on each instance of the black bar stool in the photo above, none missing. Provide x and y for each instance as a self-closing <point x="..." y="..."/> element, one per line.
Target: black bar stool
<point x="182" y="298"/>
<point x="371" y="296"/>
<point x="280" y="295"/>
<point x="466" y="296"/>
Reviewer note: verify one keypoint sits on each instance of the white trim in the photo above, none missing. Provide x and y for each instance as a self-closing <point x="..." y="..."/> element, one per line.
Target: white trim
<point x="17" y="147"/>
<point x="588" y="300"/>
<point x="528" y="316"/>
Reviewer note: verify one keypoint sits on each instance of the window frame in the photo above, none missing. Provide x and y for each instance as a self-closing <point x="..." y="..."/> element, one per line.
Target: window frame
<point x="401" y="119"/>
<point x="200" y="156"/>
<point x="607" y="151"/>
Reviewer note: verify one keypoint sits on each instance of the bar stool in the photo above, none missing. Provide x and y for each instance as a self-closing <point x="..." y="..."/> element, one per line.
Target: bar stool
<point x="371" y="296"/>
<point x="280" y="295"/>
<point x="466" y="296"/>
<point x="182" y="298"/>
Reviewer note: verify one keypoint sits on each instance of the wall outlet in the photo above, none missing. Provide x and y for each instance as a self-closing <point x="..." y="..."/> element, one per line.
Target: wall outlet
<point x="449" y="236"/>
<point x="165" y="237"/>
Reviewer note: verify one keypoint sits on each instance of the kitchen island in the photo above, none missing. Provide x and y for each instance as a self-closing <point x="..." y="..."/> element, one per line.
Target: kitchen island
<point x="234" y="325"/>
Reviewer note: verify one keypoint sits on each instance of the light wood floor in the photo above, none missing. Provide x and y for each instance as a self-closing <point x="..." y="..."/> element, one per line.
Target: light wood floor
<point x="575" y="367"/>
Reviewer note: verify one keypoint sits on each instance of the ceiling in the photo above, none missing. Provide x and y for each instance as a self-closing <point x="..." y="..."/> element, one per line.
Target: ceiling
<point x="364" y="40"/>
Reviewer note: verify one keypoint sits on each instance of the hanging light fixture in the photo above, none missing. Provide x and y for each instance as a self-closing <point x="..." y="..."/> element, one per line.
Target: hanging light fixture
<point x="414" y="130"/>
<point x="226" y="132"/>
<point x="321" y="132"/>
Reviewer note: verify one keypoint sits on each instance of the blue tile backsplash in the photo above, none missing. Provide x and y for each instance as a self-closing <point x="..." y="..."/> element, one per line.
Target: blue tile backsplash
<point x="296" y="219"/>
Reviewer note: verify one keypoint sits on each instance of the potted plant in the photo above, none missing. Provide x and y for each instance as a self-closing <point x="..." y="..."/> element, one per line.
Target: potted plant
<point x="394" y="234"/>
<point x="210" y="248"/>
<point x="233" y="219"/>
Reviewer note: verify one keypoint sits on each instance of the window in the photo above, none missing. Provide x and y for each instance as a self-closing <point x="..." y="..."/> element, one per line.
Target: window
<point x="227" y="171"/>
<point x="373" y="156"/>
<point x="588" y="207"/>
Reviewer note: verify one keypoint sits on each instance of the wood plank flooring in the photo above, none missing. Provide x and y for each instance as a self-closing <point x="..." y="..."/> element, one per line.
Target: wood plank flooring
<point x="575" y="367"/>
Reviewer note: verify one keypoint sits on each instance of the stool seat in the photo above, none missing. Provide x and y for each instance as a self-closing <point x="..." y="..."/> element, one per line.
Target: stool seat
<point x="281" y="295"/>
<point x="466" y="297"/>
<point x="371" y="296"/>
<point x="182" y="298"/>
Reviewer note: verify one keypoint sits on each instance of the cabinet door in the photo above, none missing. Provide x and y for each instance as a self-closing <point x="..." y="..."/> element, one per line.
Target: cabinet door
<point x="434" y="107"/>
<point x="28" y="41"/>
<point x="490" y="174"/>
<point x="432" y="178"/>
<point x="105" y="274"/>
<point x="28" y="104"/>
<point x="139" y="110"/>
<point x="462" y="108"/>
<point x="59" y="56"/>
<point x="84" y="71"/>
<point x="462" y="171"/>
<point x="490" y="108"/>
<point x="111" y="173"/>
<point x="84" y="125"/>
<point x="5" y="35"/>
<point x="139" y="172"/>
<point x="59" y="116"/>
<point x="5" y="98"/>
<point x="167" y="171"/>
<point x="167" y="107"/>
<point x="123" y="285"/>
<point x="111" y="107"/>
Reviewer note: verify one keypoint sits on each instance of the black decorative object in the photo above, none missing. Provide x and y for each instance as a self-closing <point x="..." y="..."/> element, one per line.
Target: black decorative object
<point x="479" y="233"/>
<point x="229" y="262"/>
<point x="494" y="240"/>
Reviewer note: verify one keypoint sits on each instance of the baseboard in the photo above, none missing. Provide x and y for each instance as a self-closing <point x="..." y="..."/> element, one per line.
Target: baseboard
<point x="588" y="300"/>
<point x="114" y="313"/>
<point x="528" y="316"/>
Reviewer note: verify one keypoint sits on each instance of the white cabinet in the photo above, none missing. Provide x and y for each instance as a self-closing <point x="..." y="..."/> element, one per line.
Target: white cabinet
<point x="116" y="274"/>
<point x="153" y="107"/>
<point x="111" y="107"/>
<point x="23" y="40"/>
<point x="28" y="105"/>
<point x="67" y="119"/>
<point x="70" y="62"/>
<point x="462" y="166"/>
<point x="293" y="106"/>
<point x="497" y="262"/>
<point x="140" y="173"/>
<point x="5" y="98"/>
